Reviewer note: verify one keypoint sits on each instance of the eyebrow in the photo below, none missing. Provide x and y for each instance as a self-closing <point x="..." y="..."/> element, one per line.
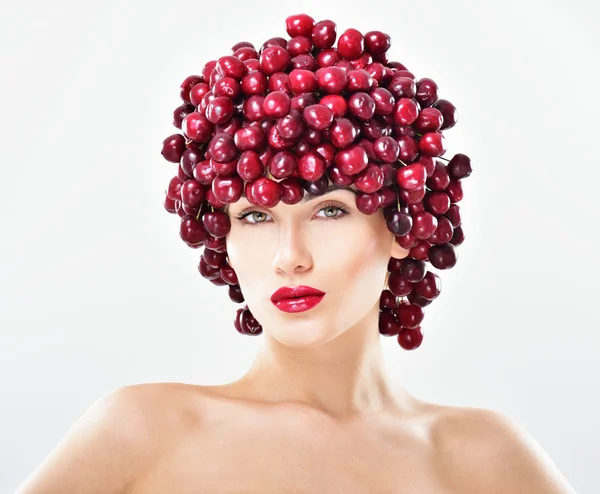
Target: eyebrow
<point x="309" y="197"/>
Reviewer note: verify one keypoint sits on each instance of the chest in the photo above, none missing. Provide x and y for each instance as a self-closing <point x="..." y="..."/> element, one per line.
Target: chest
<point x="300" y="458"/>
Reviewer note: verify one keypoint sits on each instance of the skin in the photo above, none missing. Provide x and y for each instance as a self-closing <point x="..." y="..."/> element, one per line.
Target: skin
<point x="317" y="411"/>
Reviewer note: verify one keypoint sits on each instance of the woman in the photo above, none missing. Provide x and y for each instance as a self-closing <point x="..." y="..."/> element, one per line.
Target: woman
<point x="307" y="240"/>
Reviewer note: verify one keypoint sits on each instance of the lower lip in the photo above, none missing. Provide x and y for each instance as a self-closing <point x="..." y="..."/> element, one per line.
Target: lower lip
<point x="299" y="304"/>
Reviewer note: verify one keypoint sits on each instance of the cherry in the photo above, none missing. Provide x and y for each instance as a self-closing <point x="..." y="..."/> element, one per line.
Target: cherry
<point x="443" y="256"/>
<point x="433" y="144"/>
<point x="359" y="80"/>
<point x="299" y="45"/>
<point x="197" y="127"/>
<point x="318" y="116"/>
<point x="440" y="179"/>
<point x="181" y="112"/>
<point x="254" y="82"/>
<point x="411" y="177"/>
<point x="235" y="294"/>
<point x="279" y="81"/>
<point x="427" y="92"/>
<point x="410" y="339"/>
<point x="173" y="148"/>
<point x="338" y="178"/>
<point x="282" y="164"/>
<point x="302" y="81"/>
<point x="448" y="112"/>
<point x="352" y="160"/>
<point x="409" y="316"/>
<point x="192" y="231"/>
<point x="217" y="223"/>
<point x="249" y="166"/>
<point x="186" y="86"/>
<point x="192" y="193"/>
<point x="332" y="80"/>
<point x="342" y="133"/>
<point x="368" y="203"/>
<point x="266" y="192"/>
<point x="377" y="42"/>
<point x="424" y="224"/>
<point x="386" y="149"/>
<point x="250" y="138"/>
<point x="336" y="103"/>
<point x="406" y="111"/>
<point x="387" y="300"/>
<point x="399" y="223"/>
<point x="361" y="105"/>
<point x="351" y="43"/>
<point x="443" y="233"/>
<point x="323" y="34"/>
<point x="398" y="284"/>
<point x="429" y="287"/>
<point x="274" y="59"/>
<point x="384" y="101"/>
<point x="370" y="179"/>
<point x="311" y="166"/>
<point x="388" y="325"/>
<point x="277" y="104"/>
<point x="227" y="189"/>
<point x="327" y="58"/>
<point x="299" y="25"/>
<point x="459" y="166"/>
<point x="291" y="191"/>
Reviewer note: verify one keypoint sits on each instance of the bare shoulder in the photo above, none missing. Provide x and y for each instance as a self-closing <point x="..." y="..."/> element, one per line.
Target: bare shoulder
<point x="108" y="446"/>
<point x="486" y="451"/>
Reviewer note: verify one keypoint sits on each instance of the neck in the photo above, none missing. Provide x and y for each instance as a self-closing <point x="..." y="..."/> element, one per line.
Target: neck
<point x="345" y="377"/>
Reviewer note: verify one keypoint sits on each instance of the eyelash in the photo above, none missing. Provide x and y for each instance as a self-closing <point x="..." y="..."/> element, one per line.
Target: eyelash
<point x="248" y="212"/>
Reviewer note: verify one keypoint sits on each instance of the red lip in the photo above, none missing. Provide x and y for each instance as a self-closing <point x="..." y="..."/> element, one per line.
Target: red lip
<point x="295" y="292"/>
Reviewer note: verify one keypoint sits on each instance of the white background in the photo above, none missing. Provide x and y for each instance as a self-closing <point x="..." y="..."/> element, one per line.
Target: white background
<point x="97" y="290"/>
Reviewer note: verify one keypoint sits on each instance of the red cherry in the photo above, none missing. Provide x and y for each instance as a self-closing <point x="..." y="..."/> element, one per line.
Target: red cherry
<point x="448" y="112"/>
<point x="424" y="224"/>
<point x="282" y="164"/>
<point x="427" y="92"/>
<point x="192" y="193"/>
<point x="280" y="81"/>
<point x="351" y="43"/>
<point x="291" y="191"/>
<point x="254" y="82"/>
<point x="173" y="148"/>
<point x="192" y="231"/>
<point x="323" y="34"/>
<point x="411" y="177"/>
<point x="299" y="25"/>
<point x="410" y="339"/>
<point x="217" y="223"/>
<point x="370" y="179"/>
<point x="377" y="42"/>
<point x="429" y="287"/>
<point x="460" y="166"/>
<point x="277" y="104"/>
<point x="332" y="80"/>
<point x="302" y="81"/>
<point x="399" y="285"/>
<point x="388" y="325"/>
<point x="410" y="316"/>
<point x="266" y="192"/>
<point x="352" y="160"/>
<point x="274" y="59"/>
<point x="227" y="189"/>
<point x="342" y="133"/>
<point x="432" y="144"/>
<point x="368" y="203"/>
<point x="311" y="166"/>
<point x="318" y="117"/>
<point x="406" y="111"/>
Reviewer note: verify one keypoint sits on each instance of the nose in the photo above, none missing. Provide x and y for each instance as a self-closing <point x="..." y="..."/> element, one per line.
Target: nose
<point x="293" y="254"/>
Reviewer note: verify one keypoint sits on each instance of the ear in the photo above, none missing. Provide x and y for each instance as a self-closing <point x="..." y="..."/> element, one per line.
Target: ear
<point x="398" y="251"/>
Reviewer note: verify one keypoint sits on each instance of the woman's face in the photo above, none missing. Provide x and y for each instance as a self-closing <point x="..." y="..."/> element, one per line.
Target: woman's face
<point x="324" y="243"/>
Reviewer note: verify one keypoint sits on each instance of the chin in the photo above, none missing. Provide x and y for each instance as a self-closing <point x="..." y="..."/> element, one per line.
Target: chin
<point x="300" y="334"/>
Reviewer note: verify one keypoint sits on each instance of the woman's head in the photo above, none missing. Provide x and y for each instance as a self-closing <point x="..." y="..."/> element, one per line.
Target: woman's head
<point x="323" y="242"/>
<point x="265" y="132"/>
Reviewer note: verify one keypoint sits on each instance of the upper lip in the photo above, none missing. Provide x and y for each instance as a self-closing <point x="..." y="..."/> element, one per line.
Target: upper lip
<point x="296" y="291"/>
